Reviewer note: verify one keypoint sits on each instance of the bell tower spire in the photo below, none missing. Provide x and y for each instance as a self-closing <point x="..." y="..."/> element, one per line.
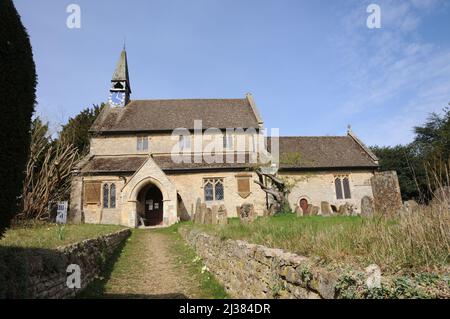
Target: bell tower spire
<point x="120" y="83"/>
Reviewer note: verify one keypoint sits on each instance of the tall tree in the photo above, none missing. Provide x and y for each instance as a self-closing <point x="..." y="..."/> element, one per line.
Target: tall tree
<point x="76" y="131"/>
<point x="408" y="164"/>
<point x="17" y="100"/>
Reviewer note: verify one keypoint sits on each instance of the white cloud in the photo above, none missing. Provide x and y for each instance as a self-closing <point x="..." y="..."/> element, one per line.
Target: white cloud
<point x="394" y="64"/>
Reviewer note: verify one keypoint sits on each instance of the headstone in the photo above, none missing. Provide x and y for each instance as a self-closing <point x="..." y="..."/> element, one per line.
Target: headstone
<point x="247" y="213"/>
<point x="343" y="210"/>
<point x="208" y="216"/>
<point x="367" y="206"/>
<point x="386" y="193"/>
<point x="215" y="210"/>
<point x="326" y="209"/>
<point x="203" y="212"/>
<point x="198" y="207"/>
<point x="315" y="210"/>
<point x="222" y="216"/>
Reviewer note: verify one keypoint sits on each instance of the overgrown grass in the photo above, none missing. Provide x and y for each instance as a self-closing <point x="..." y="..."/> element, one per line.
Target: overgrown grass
<point x="50" y="236"/>
<point x="419" y="240"/>
<point x="187" y="260"/>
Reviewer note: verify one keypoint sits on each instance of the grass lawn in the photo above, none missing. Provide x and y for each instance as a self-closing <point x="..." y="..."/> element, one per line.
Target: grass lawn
<point x="51" y="235"/>
<point x="415" y="242"/>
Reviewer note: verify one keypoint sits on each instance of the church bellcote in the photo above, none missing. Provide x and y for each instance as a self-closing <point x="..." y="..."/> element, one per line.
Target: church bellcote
<point x="120" y="83"/>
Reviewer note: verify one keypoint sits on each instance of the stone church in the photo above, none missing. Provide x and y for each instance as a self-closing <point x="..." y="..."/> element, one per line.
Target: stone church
<point x="132" y="177"/>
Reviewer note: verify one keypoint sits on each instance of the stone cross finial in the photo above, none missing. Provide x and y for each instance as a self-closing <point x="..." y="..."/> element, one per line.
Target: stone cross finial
<point x="349" y="128"/>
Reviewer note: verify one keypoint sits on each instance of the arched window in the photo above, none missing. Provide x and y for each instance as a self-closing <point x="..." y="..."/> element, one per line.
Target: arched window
<point x="346" y="185"/>
<point x="105" y="196"/>
<point x="219" y="190"/>
<point x="338" y="187"/>
<point x="112" y="190"/>
<point x="209" y="195"/>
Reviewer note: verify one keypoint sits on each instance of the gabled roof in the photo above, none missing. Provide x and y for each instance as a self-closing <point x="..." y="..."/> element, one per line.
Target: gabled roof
<point x="318" y="152"/>
<point x="166" y="115"/>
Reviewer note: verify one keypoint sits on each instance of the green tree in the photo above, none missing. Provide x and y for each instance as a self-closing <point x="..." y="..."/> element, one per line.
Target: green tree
<point x="409" y="166"/>
<point x="18" y="94"/>
<point x="433" y="138"/>
<point x="76" y="131"/>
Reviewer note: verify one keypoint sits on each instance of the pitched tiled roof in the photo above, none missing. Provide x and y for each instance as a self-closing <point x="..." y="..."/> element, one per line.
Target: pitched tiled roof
<point x="303" y="152"/>
<point x="167" y="164"/>
<point x="166" y="115"/>
<point x="130" y="164"/>
<point x="127" y="164"/>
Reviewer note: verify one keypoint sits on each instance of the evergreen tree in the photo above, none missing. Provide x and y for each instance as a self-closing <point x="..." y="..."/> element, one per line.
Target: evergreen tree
<point x="76" y="131"/>
<point x="17" y="100"/>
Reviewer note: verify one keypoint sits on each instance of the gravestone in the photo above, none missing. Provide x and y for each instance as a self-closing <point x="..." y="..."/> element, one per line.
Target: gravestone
<point x="247" y="213"/>
<point x="367" y="206"/>
<point x="222" y="216"/>
<point x="386" y="193"/>
<point x="315" y="210"/>
<point x="326" y="209"/>
<point x="203" y="212"/>
<point x="343" y="210"/>
<point x="215" y="210"/>
<point x="208" y="216"/>
<point x="198" y="207"/>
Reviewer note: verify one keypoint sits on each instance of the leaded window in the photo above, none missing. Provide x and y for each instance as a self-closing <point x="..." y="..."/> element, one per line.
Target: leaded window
<point x="209" y="193"/>
<point x="214" y="189"/>
<point x="109" y="195"/>
<point x="105" y="196"/>
<point x="112" y="202"/>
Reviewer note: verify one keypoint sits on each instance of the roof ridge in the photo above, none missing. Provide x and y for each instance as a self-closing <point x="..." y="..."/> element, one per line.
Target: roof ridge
<point x="187" y="99"/>
<point x="316" y="136"/>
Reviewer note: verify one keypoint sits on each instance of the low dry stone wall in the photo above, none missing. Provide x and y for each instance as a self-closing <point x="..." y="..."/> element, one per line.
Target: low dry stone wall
<point x="253" y="271"/>
<point x="42" y="273"/>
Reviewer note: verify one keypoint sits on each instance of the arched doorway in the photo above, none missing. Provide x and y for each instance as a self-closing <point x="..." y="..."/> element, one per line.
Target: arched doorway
<point x="151" y="200"/>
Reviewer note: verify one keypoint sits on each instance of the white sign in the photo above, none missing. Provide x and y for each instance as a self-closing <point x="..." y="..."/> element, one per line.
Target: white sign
<point x="61" y="213"/>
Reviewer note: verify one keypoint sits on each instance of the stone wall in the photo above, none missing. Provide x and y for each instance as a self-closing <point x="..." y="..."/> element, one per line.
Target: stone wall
<point x="253" y="271"/>
<point x="42" y="272"/>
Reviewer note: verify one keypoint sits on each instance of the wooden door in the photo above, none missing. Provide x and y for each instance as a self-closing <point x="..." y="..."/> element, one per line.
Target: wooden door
<point x="153" y="207"/>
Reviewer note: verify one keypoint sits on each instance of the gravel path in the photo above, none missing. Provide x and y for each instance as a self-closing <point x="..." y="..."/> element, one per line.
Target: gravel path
<point x="148" y="268"/>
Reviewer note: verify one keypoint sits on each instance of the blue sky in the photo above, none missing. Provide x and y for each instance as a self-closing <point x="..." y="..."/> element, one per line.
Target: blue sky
<point x="313" y="66"/>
